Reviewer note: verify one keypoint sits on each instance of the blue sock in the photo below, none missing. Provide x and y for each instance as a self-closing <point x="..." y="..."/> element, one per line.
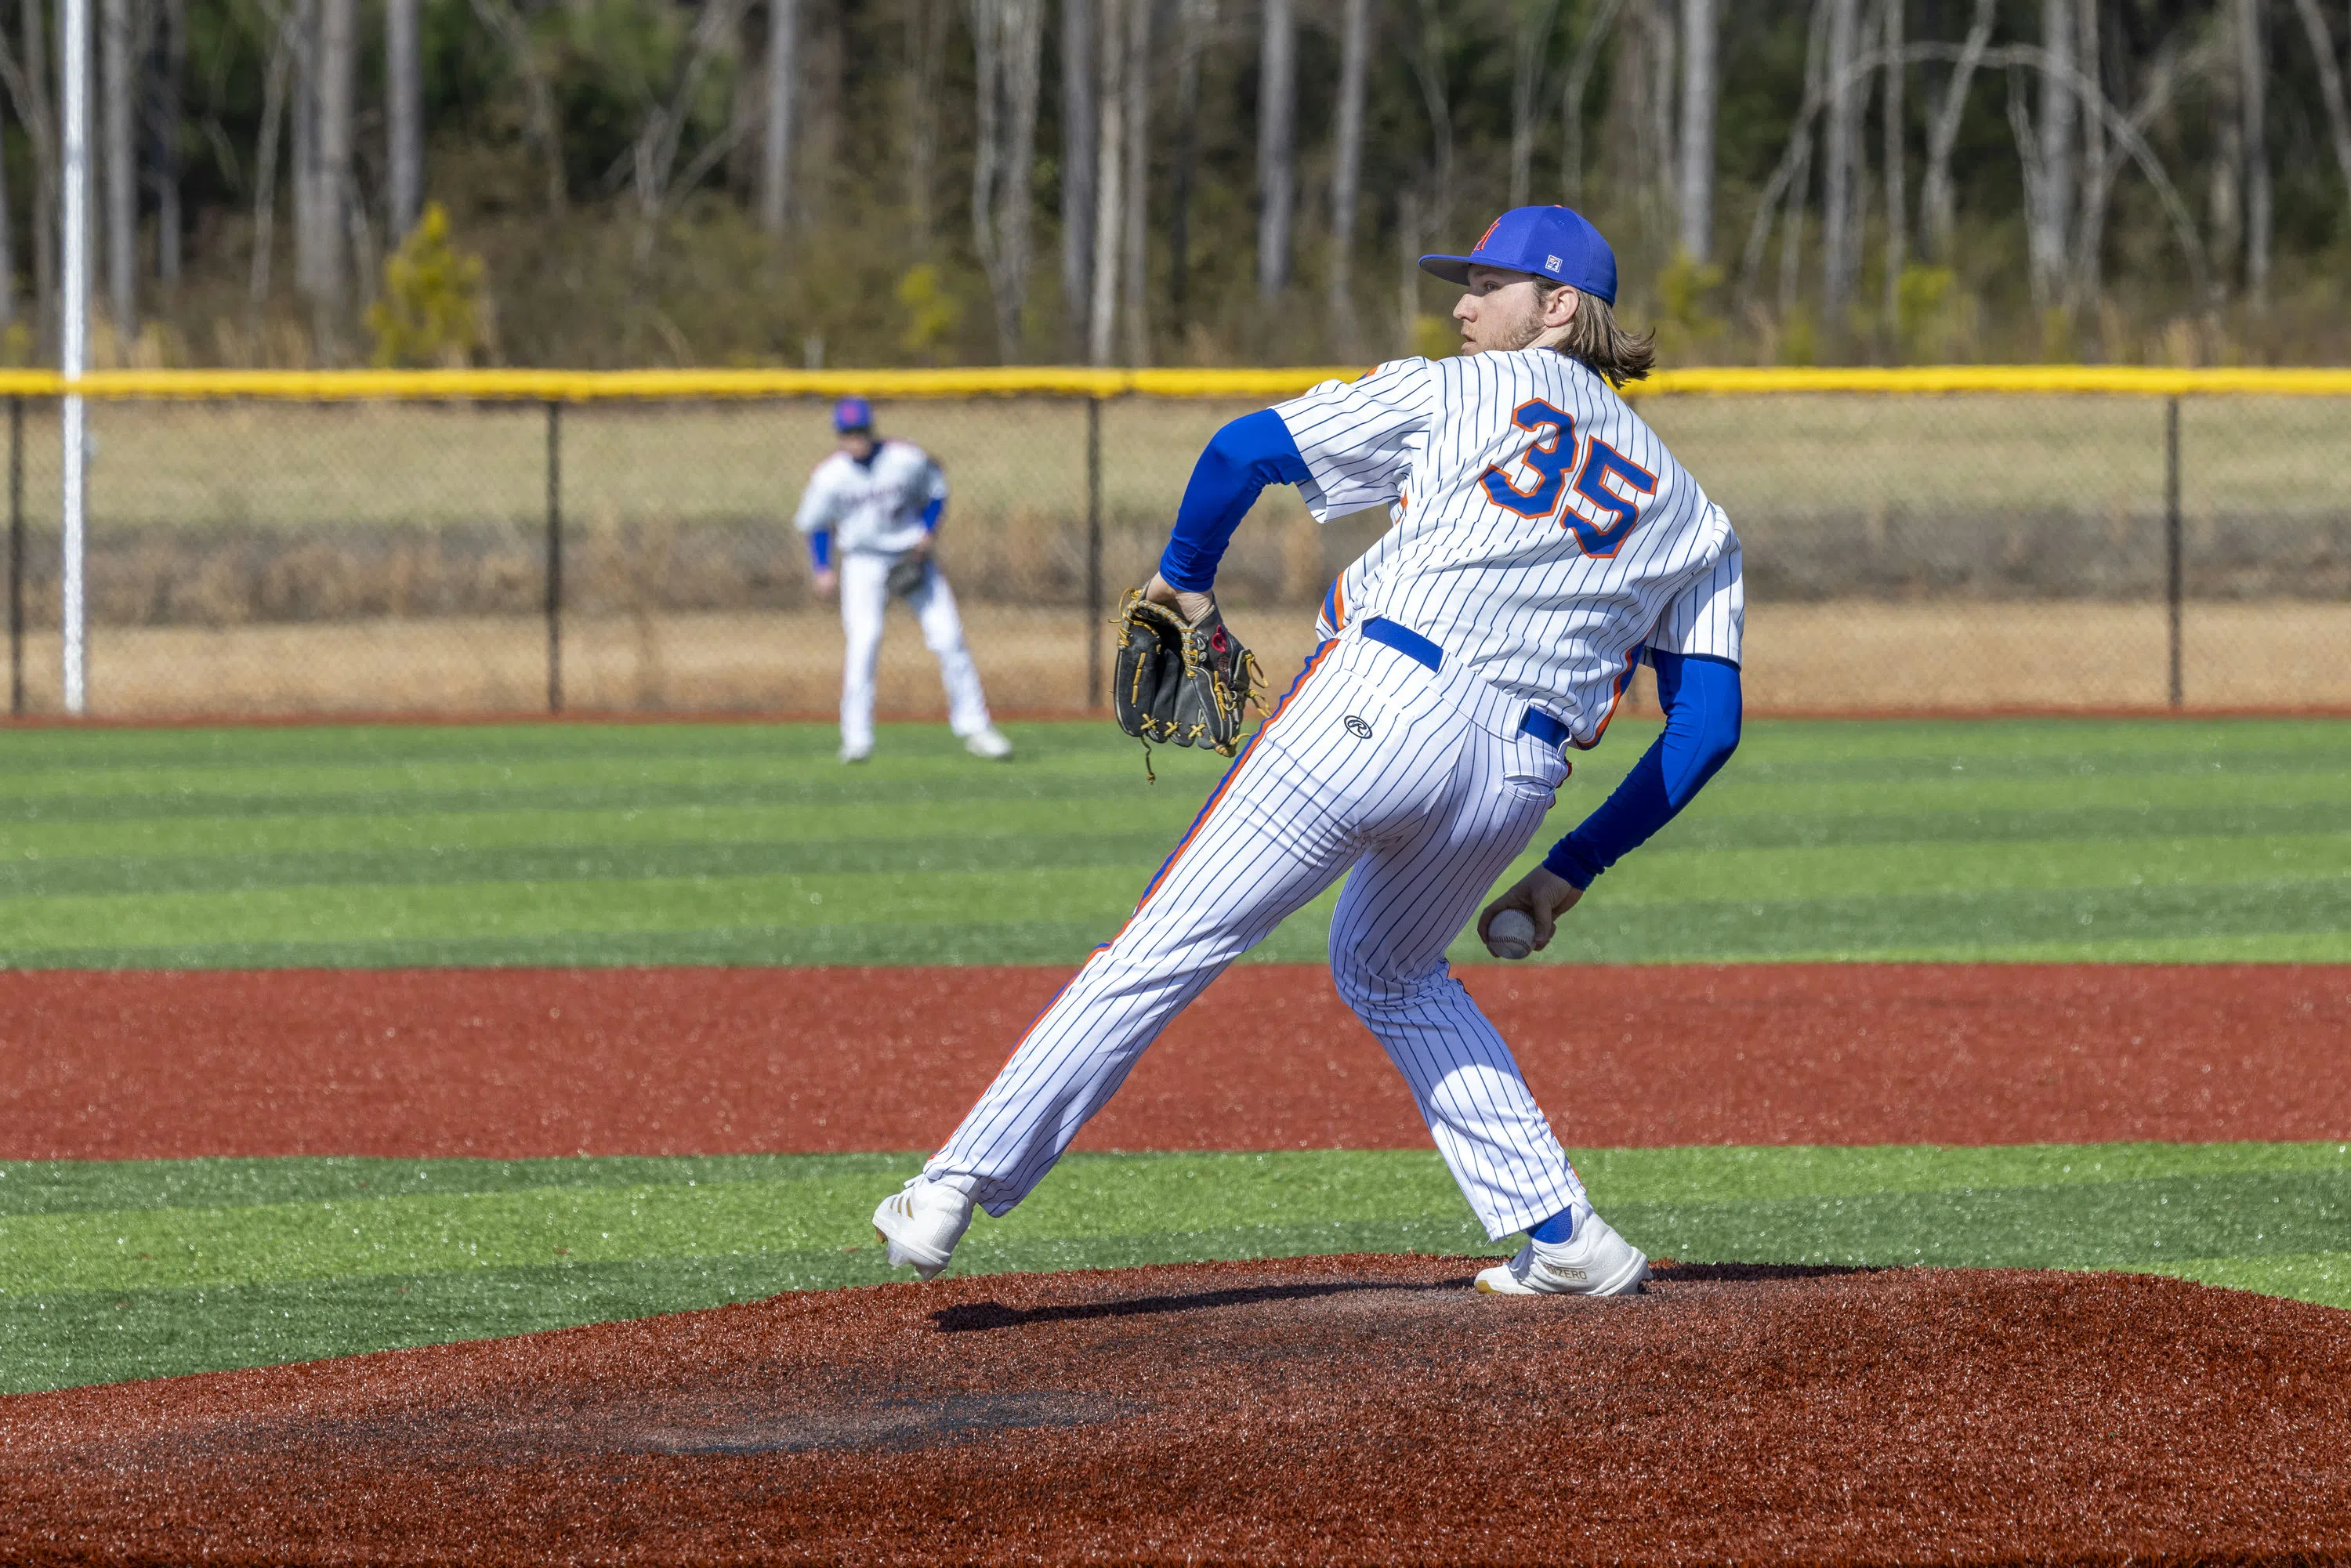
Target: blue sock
<point x="1559" y="1228"/>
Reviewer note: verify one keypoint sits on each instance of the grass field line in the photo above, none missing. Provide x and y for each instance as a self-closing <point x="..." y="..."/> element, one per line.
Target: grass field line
<point x="787" y="1209"/>
<point x="311" y="1257"/>
<point x="737" y="844"/>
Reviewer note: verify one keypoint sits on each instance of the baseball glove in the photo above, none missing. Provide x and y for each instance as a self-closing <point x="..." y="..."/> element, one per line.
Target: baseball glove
<point x="907" y="575"/>
<point x="1179" y="682"/>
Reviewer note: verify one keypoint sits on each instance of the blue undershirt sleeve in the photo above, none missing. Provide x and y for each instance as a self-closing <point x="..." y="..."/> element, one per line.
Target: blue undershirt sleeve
<point x="1701" y="700"/>
<point x="1242" y="459"/>
<point x="820" y="548"/>
<point x="931" y="514"/>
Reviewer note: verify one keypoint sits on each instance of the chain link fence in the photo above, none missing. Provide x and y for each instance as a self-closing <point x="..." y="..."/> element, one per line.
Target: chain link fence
<point x="1969" y="552"/>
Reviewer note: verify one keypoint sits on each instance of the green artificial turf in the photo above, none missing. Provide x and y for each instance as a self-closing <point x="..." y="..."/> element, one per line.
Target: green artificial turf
<point x="141" y="1268"/>
<point x="2154" y="840"/>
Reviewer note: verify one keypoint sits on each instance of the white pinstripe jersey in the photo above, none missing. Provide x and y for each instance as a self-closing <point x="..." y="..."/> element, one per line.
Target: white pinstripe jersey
<point x="1542" y="536"/>
<point x="875" y="506"/>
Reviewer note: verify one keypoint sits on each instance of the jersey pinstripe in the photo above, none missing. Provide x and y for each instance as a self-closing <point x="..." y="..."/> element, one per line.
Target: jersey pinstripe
<point x="876" y="507"/>
<point x="1542" y="536"/>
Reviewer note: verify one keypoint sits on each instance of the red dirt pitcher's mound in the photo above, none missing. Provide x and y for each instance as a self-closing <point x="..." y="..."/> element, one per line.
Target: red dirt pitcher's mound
<point x="1322" y="1409"/>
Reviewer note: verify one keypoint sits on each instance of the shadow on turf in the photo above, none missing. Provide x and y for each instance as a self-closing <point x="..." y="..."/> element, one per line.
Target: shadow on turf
<point x="972" y="1317"/>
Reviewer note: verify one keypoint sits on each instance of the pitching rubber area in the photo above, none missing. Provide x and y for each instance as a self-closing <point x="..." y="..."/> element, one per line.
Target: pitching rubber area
<point x="1365" y="1407"/>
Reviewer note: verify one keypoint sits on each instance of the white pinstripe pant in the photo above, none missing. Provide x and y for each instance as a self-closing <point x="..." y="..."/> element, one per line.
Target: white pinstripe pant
<point x="1371" y="766"/>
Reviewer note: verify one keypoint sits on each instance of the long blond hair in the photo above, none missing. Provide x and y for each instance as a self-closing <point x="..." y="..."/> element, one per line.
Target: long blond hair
<point x="1594" y="338"/>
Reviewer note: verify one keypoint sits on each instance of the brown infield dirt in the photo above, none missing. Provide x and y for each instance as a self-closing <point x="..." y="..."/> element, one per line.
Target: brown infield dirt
<point x="517" y="1062"/>
<point x="1364" y="1408"/>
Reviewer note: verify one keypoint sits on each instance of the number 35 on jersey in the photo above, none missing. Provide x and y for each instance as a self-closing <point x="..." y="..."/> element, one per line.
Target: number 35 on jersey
<point x="1600" y="507"/>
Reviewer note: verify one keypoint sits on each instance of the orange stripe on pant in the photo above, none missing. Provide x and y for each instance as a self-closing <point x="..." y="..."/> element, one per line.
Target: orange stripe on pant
<point x="1314" y="663"/>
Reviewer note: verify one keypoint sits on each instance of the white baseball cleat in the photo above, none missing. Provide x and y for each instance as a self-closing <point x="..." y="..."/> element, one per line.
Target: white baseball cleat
<point x="1595" y="1261"/>
<point x="988" y="743"/>
<point x="921" y="1223"/>
<point x="855" y="753"/>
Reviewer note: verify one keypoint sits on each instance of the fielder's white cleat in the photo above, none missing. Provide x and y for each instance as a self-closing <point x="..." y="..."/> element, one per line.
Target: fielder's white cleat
<point x="921" y="1223"/>
<point x="855" y="753"/>
<point x="1595" y="1261"/>
<point x="989" y="743"/>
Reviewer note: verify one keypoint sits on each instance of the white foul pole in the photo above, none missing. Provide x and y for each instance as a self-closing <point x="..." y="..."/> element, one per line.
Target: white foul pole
<point x="76" y="345"/>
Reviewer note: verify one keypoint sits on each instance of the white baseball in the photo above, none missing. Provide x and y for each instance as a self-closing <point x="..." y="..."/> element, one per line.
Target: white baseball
<point x="1511" y="934"/>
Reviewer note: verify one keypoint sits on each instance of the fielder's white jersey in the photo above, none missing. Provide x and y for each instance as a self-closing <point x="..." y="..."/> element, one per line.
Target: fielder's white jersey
<point x="876" y="506"/>
<point x="1544" y="537"/>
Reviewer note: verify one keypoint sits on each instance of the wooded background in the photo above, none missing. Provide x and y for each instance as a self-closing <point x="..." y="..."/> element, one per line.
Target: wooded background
<point x="1170" y="182"/>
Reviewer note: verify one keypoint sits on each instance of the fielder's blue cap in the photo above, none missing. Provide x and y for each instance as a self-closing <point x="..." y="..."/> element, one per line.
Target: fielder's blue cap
<point x="851" y="413"/>
<point x="1557" y="243"/>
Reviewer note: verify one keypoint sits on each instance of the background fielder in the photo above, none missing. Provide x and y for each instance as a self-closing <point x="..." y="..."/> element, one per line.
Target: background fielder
<point x="874" y="506"/>
<point x="1544" y="543"/>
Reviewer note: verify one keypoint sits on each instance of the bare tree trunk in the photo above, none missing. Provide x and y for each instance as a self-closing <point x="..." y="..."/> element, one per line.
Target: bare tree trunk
<point x="1006" y="36"/>
<point x="338" y="59"/>
<point x="1110" y="177"/>
<point x="404" y="95"/>
<point x="1529" y="87"/>
<point x="654" y="173"/>
<point x="2330" y="85"/>
<point x="1137" y="235"/>
<point x="1665" y="72"/>
<point x="2100" y="168"/>
<point x="1277" y="148"/>
<point x="1191" y="19"/>
<point x="1895" y="158"/>
<point x="1840" y="223"/>
<point x="1701" y="31"/>
<point x="1080" y="131"/>
<point x="2253" y="104"/>
<point x="1428" y="63"/>
<point x="122" y="181"/>
<point x="1579" y="77"/>
<point x="7" y="252"/>
<point x="1347" y="174"/>
<point x="1409" y="228"/>
<point x="545" y="119"/>
<point x="926" y="51"/>
<point x="2087" y="242"/>
<point x="1641" y="112"/>
<point x="27" y="85"/>
<point x="265" y="178"/>
<point x="1425" y="204"/>
<point x="783" y="104"/>
<point x="2049" y="191"/>
<point x="171" y="69"/>
<point x="1800" y="158"/>
<point x="1936" y="196"/>
<point x="304" y="112"/>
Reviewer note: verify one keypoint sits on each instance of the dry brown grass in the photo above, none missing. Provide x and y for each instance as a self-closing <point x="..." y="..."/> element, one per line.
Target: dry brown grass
<point x="1850" y="656"/>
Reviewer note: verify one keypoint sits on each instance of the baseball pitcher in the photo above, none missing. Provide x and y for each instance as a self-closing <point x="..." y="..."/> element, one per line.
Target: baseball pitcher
<point x="1544" y="543"/>
<point x="869" y="512"/>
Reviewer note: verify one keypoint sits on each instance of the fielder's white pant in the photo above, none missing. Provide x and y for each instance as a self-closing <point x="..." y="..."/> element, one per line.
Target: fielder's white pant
<point x="1375" y="766"/>
<point x="865" y="599"/>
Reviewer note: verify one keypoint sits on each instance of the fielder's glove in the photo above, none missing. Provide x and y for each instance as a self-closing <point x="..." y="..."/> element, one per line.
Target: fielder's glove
<point x="1181" y="681"/>
<point x="907" y="575"/>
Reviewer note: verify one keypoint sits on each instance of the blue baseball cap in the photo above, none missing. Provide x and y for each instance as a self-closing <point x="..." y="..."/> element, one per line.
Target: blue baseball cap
<point x="851" y="413"/>
<point x="1557" y="243"/>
